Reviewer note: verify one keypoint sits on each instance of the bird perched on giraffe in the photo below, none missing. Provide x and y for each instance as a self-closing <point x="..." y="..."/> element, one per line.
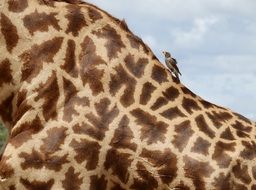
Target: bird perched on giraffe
<point x="172" y="64"/>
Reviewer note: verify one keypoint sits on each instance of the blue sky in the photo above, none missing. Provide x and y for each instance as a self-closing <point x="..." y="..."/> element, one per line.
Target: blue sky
<point x="214" y="42"/>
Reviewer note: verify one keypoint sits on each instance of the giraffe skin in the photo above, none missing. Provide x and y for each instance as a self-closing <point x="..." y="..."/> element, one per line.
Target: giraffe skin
<point x="89" y="107"/>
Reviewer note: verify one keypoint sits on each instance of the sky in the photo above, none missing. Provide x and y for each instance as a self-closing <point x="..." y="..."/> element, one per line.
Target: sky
<point x="214" y="42"/>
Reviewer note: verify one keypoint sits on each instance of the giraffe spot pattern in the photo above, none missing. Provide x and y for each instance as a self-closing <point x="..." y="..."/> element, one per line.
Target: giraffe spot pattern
<point x="6" y="171"/>
<point x="249" y="151"/>
<point x="171" y="93"/>
<point x="72" y="180"/>
<point x="119" y="163"/>
<point x="164" y="163"/>
<point x="38" y="55"/>
<point x="189" y="105"/>
<point x="147" y="90"/>
<point x="71" y="100"/>
<point x="182" y="136"/>
<point x="9" y="32"/>
<point x="5" y="72"/>
<point x="98" y="182"/>
<point x="161" y="101"/>
<point x="55" y="138"/>
<point x="173" y="113"/>
<point x="220" y="153"/>
<point x="201" y="146"/>
<point x="197" y="171"/>
<point x="135" y="67"/>
<point x="151" y="129"/>
<point x="222" y="182"/>
<point x="241" y="172"/>
<point x="86" y="150"/>
<point x="6" y="109"/>
<point x="204" y="127"/>
<point x="94" y="14"/>
<point x="70" y="60"/>
<point x="49" y="92"/>
<point x="114" y="43"/>
<point x="24" y="132"/>
<point x="76" y="20"/>
<point x="146" y="180"/>
<point x="17" y="5"/>
<point x="227" y="135"/>
<point x="88" y="62"/>
<point x="38" y="185"/>
<point x="39" y="160"/>
<point x="123" y="136"/>
<point x="159" y="74"/>
<point x="40" y="22"/>
<point x="120" y="78"/>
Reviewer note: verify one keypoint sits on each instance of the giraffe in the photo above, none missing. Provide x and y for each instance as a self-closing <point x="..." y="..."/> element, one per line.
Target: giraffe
<point x="88" y="106"/>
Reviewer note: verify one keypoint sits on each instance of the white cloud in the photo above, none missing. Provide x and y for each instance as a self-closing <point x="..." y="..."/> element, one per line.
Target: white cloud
<point x="193" y="37"/>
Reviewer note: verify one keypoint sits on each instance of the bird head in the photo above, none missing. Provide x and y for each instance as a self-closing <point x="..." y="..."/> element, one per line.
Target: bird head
<point x="166" y="54"/>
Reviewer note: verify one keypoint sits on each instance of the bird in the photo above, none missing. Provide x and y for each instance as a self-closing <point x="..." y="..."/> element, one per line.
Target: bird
<point x="171" y="63"/>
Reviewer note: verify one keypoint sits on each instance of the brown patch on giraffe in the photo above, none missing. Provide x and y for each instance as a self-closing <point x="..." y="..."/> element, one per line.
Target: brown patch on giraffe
<point x="72" y="180"/>
<point x="238" y="186"/>
<point x="9" y="32"/>
<point x="173" y="113"/>
<point x="6" y="109"/>
<point x="189" y="105"/>
<point x="181" y="186"/>
<point x="222" y="182"/>
<point x="182" y="136"/>
<point x="49" y="92"/>
<point x="40" y="22"/>
<point x="227" y="135"/>
<point x="98" y="183"/>
<point x="136" y="42"/>
<point x="117" y="187"/>
<point x="37" y="185"/>
<point x="146" y="94"/>
<point x="151" y="129"/>
<point x="71" y="100"/>
<point x="188" y="92"/>
<point x="164" y="164"/>
<point x="76" y="19"/>
<point x="146" y="180"/>
<point x="197" y="171"/>
<point x="254" y="187"/>
<point x="118" y="163"/>
<point x="5" y="72"/>
<point x="244" y="119"/>
<point x="201" y="146"/>
<point x="100" y="123"/>
<point x="218" y="119"/>
<point x="171" y="93"/>
<point x="25" y="131"/>
<point x="70" y="59"/>
<point x="114" y="42"/>
<point x="222" y="158"/>
<point x="242" y="130"/>
<point x="159" y="74"/>
<point x="88" y="62"/>
<point x="203" y="126"/>
<point x="17" y="5"/>
<point x="22" y="105"/>
<point x="120" y="78"/>
<point x="94" y="14"/>
<point x="86" y="151"/>
<point x="55" y="138"/>
<point x="135" y="67"/>
<point x="12" y="187"/>
<point x="160" y="102"/>
<point x="38" y="160"/>
<point x="241" y="172"/>
<point x="254" y="172"/>
<point x="6" y="171"/>
<point x="34" y="58"/>
<point x="123" y="136"/>
<point x="249" y="151"/>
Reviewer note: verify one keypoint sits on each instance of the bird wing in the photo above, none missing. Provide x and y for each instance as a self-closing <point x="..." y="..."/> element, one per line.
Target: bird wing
<point x="176" y="68"/>
<point x="175" y="61"/>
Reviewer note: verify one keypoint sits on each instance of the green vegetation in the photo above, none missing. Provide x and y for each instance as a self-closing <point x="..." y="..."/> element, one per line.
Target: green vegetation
<point x="3" y="135"/>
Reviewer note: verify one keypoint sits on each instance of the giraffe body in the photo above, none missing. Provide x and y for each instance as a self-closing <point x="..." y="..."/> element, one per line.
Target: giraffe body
<point x="89" y="107"/>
